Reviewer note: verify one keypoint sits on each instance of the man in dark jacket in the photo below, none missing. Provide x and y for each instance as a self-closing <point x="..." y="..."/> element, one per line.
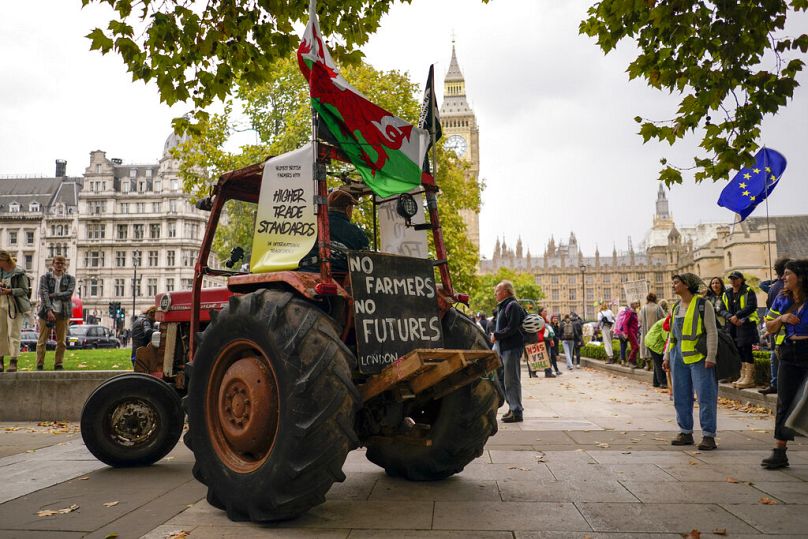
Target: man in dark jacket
<point x="578" y="324"/>
<point x="508" y="338"/>
<point x="345" y="235"/>
<point x="773" y="288"/>
<point x="740" y="310"/>
<point x="142" y="330"/>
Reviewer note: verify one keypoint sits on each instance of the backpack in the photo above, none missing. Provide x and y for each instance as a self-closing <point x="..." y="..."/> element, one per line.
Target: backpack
<point x="567" y="331"/>
<point x="620" y="323"/>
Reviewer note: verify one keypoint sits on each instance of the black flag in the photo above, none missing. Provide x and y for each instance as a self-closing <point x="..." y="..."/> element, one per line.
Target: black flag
<point x="429" y="115"/>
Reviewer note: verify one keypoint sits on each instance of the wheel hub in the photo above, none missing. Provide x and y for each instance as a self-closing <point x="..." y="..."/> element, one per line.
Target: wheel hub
<point x="133" y="422"/>
<point x="247" y="408"/>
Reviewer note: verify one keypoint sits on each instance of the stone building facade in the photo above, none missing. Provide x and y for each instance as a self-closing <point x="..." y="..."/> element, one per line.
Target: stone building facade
<point x="128" y="231"/>
<point x="574" y="282"/>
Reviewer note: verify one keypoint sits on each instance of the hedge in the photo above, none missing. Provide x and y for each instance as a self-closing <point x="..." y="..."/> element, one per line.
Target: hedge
<point x="762" y="362"/>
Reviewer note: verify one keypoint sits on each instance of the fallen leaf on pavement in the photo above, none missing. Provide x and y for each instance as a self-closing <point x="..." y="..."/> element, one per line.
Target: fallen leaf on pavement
<point x="768" y="501"/>
<point x="693" y="462"/>
<point x="720" y="531"/>
<point x="518" y="468"/>
<point x="731" y="480"/>
<point x="694" y="534"/>
<point x="604" y="445"/>
<point x="111" y="504"/>
<point x="112" y="535"/>
<point x="51" y="512"/>
<point x="179" y="534"/>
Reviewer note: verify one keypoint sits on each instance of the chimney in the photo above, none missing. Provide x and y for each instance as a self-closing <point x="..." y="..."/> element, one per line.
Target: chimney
<point x="61" y="168"/>
<point x="117" y="161"/>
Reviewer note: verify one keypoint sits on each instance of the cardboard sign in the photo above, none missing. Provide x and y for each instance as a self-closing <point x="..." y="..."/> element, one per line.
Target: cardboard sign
<point x="398" y="238"/>
<point x="286" y="223"/>
<point x="635" y="291"/>
<point x="537" y="356"/>
<point x="395" y="307"/>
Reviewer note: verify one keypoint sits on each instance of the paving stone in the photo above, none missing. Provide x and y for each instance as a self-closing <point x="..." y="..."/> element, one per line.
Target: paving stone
<point x="578" y="456"/>
<point x="546" y="516"/>
<point x="557" y="424"/>
<point x="619" y="472"/>
<point x="788" y="492"/>
<point x="428" y="534"/>
<point x="797" y="471"/>
<point x="773" y="518"/>
<point x="649" y="457"/>
<point x="596" y="490"/>
<point x="456" y="488"/>
<point x="737" y="472"/>
<point x="693" y="493"/>
<point x="494" y="472"/>
<point x="515" y="457"/>
<point x="529" y="437"/>
<point x="394" y="515"/>
<point x="669" y="518"/>
<point x="357" y="486"/>
<point x="595" y="535"/>
<point x="733" y="456"/>
<point x="242" y="530"/>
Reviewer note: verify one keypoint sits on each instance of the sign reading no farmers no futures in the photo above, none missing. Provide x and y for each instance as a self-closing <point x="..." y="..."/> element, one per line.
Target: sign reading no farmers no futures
<point x="395" y="307"/>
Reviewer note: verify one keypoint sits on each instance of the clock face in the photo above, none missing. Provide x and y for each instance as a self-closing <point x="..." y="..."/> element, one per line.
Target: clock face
<point x="457" y="144"/>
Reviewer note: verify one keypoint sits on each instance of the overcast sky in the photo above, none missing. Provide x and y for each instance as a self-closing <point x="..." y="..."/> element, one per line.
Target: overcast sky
<point x="558" y="144"/>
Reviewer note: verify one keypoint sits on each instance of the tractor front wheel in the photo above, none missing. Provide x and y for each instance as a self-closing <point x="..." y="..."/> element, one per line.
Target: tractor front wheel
<point x="271" y="407"/>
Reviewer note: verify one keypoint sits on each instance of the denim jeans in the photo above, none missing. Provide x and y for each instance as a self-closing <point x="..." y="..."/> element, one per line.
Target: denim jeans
<point x="568" y="350"/>
<point x="686" y="380"/>
<point x="623" y="348"/>
<point x="774" y="365"/>
<point x="512" y="371"/>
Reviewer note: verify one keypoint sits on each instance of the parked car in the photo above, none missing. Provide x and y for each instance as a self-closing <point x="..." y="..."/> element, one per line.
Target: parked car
<point x="29" y="338"/>
<point x="91" y="336"/>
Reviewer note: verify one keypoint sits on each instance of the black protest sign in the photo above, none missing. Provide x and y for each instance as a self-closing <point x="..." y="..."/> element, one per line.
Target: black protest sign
<point x="395" y="307"/>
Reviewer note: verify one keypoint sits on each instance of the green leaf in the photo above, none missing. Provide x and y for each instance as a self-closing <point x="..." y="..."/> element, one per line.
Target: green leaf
<point x="99" y="41"/>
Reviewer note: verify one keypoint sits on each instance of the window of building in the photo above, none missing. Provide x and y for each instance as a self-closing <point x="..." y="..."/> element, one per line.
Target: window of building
<point x="137" y="258"/>
<point x="555" y="295"/>
<point x="640" y="276"/>
<point x="120" y="259"/>
<point x="96" y="231"/>
<point x="156" y="207"/>
<point x="97" y="207"/>
<point x="136" y="288"/>
<point x="187" y="258"/>
<point x="123" y="231"/>
<point x="14" y="207"/>
<point x="590" y="294"/>
<point x="148" y="173"/>
<point x="571" y="279"/>
<point x="172" y="229"/>
<point x="572" y="294"/>
<point x="133" y="173"/>
<point x="94" y="259"/>
<point x="12" y="237"/>
<point x="659" y="278"/>
<point x="137" y="232"/>
<point x="98" y="169"/>
<point x="153" y="257"/>
<point x="120" y="288"/>
<point x="158" y="186"/>
<point x="154" y="231"/>
<point x="29" y="262"/>
<point x="187" y="284"/>
<point x="29" y="237"/>
<point x="175" y="186"/>
<point x="34" y="206"/>
<point x="170" y="284"/>
<point x="554" y="279"/>
<point x="96" y="287"/>
<point x="151" y="287"/>
<point x="140" y="207"/>
<point x="125" y="186"/>
<point x="141" y="186"/>
<point x="170" y="261"/>
<point x="124" y="207"/>
<point x="589" y="279"/>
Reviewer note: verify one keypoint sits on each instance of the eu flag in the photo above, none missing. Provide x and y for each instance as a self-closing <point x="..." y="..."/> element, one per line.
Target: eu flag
<point x="753" y="184"/>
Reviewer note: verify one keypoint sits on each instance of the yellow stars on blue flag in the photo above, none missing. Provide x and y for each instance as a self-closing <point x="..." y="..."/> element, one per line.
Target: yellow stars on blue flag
<point x="751" y="186"/>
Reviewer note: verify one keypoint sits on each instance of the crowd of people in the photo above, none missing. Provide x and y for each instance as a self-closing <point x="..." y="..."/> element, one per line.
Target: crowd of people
<point x="709" y="327"/>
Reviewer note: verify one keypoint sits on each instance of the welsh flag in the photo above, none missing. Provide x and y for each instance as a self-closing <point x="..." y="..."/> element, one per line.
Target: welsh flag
<point x="386" y="150"/>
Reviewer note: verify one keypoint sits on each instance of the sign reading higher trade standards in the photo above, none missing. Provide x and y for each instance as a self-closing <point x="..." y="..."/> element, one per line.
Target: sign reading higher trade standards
<point x="395" y="307"/>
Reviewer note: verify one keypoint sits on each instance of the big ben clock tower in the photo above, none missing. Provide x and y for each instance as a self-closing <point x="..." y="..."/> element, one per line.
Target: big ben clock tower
<point x="461" y="134"/>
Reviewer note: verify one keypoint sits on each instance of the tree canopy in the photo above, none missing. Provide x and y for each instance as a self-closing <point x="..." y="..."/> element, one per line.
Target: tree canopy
<point x="730" y="60"/>
<point x="278" y="112"/>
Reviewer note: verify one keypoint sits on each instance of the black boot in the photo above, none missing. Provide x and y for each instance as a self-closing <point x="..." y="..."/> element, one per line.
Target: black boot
<point x="777" y="459"/>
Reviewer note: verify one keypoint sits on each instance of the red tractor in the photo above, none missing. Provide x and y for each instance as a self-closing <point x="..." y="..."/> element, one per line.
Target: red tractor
<point x="282" y="374"/>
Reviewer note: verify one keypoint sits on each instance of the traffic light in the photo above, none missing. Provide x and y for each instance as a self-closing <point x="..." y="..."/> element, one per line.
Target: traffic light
<point x="121" y="312"/>
<point x="111" y="309"/>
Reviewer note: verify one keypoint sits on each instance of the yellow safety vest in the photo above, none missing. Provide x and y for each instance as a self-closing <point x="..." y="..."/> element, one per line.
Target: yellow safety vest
<point x="692" y="328"/>
<point x="781" y="335"/>
<point x="752" y="317"/>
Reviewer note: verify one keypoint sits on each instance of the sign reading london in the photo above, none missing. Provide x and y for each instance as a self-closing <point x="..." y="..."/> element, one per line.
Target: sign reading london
<point x="395" y="307"/>
<point x="286" y="223"/>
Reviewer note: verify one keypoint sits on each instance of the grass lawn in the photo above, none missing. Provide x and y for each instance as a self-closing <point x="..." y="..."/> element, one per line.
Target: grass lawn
<point x="107" y="359"/>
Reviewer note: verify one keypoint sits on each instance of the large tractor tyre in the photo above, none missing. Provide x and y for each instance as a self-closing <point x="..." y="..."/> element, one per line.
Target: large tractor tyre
<point x="460" y="423"/>
<point x="271" y="407"/>
<point x="132" y="420"/>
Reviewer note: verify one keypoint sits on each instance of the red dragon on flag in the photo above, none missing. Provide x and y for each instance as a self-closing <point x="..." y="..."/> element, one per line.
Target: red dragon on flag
<point x="386" y="150"/>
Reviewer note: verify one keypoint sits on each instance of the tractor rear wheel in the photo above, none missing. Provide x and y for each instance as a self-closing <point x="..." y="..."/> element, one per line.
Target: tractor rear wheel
<point x="271" y="407"/>
<point x="459" y="424"/>
<point x="132" y="420"/>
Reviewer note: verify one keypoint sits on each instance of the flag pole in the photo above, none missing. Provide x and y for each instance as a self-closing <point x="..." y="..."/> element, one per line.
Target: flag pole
<point x="768" y="225"/>
<point x="432" y="128"/>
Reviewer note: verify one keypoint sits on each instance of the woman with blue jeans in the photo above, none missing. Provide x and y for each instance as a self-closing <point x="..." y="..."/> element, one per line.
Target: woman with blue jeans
<point x="690" y="369"/>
